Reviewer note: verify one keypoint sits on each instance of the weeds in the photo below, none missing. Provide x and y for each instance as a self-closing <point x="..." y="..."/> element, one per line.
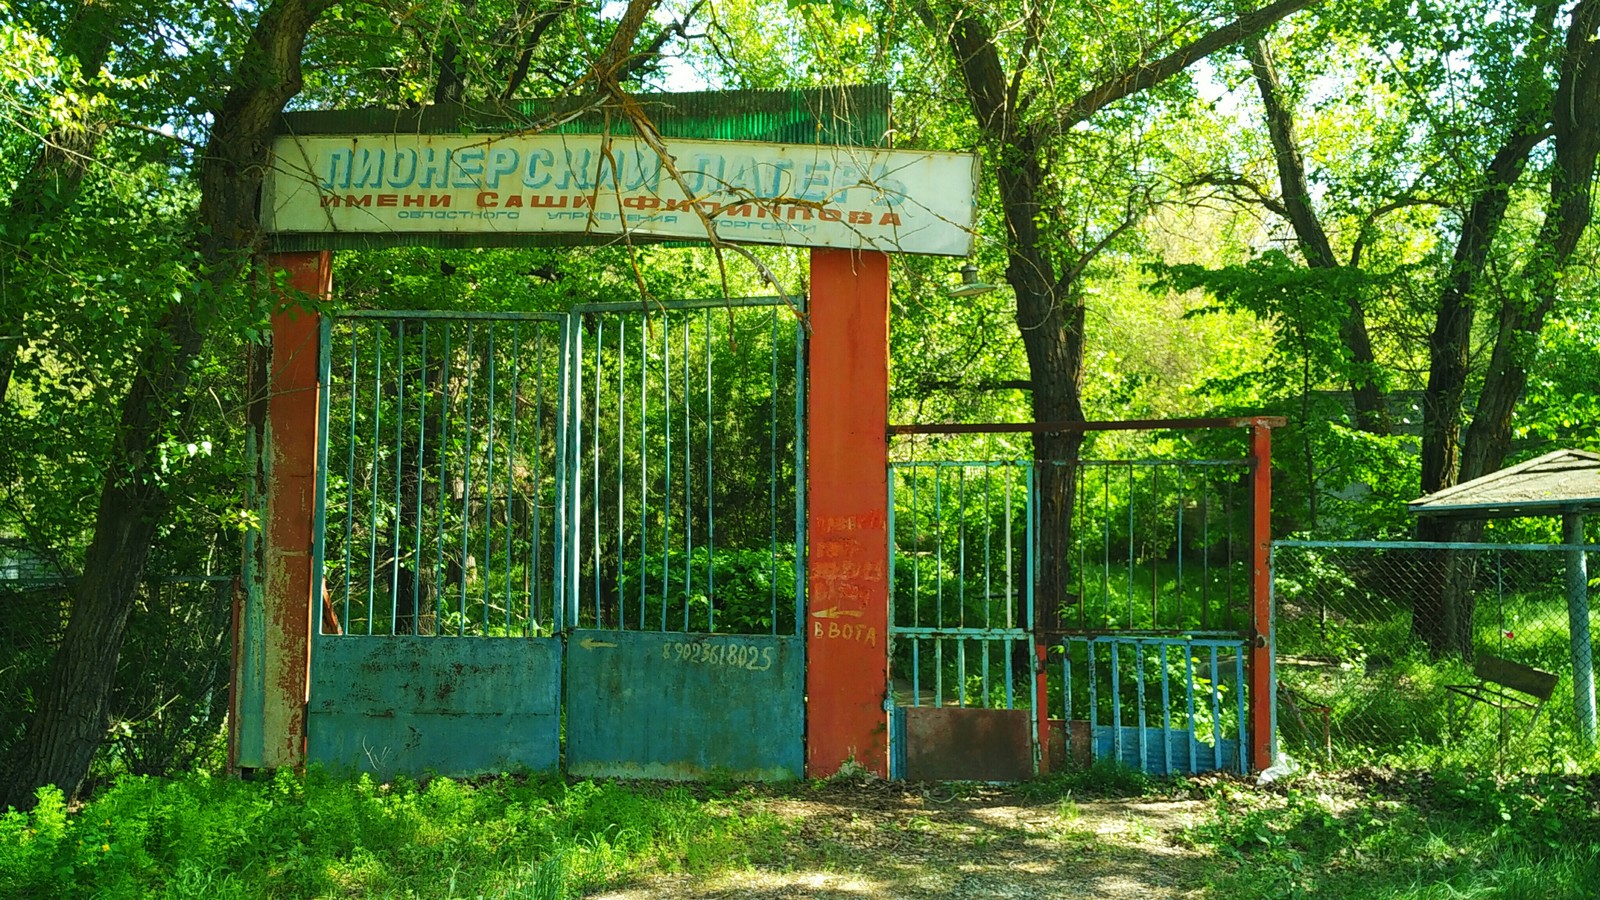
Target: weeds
<point x="315" y="836"/>
<point x="1416" y="835"/>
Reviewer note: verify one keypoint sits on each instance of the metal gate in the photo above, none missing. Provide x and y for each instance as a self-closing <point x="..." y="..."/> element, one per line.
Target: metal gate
<point x="962" y="656"/>
<point x="1147" y="665"/>
<point x="1141" y="650"/>
<point x="503" y="494"/>
<point x="686" y="452"/>
<point x="438" y="543"/>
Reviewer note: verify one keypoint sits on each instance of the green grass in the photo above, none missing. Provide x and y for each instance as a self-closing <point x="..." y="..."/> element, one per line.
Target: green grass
<point x="314" y="836"/>
<point x="1372" y="834"/>
<point x="1445" y="835"/>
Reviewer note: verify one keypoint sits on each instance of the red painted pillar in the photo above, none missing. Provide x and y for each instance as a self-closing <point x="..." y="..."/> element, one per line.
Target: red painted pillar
<point x="273" y="625"/>
<point x="1261" y="686"/>
<point x="847" y="411"/>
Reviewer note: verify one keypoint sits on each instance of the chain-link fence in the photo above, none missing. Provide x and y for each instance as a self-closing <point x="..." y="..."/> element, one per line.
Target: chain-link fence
<point x="1426" y="653"/>
<point x="171" y="695"/>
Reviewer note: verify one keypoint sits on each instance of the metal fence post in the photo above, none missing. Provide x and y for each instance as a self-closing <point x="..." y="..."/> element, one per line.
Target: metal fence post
<point x="1261" y="688"/>
<point x="273" y="639"/>
<point x="1577" y="578"/>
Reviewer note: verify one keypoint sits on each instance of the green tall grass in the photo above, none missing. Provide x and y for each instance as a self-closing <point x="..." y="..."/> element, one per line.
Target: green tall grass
<point x="313" y="836"/>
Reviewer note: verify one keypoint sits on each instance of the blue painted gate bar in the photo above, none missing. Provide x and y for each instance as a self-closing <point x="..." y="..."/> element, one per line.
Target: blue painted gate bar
<point x="682" y="706"/>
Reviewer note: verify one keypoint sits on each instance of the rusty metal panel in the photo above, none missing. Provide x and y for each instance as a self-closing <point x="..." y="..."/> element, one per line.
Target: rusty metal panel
<point x="449" y="706"/>
<point x="966" y="744"/>
<point x="680" y="706"/>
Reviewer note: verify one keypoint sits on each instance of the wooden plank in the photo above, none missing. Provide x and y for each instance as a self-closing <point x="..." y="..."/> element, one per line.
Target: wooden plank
<point x="684" y="706"/>
<point x="1516" y="676"/>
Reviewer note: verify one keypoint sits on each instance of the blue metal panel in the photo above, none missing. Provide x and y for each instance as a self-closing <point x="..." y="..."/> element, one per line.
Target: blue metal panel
<point x="1165" y="753"/>
<point x="682" y="706"/>
<point x="448" y="706"/>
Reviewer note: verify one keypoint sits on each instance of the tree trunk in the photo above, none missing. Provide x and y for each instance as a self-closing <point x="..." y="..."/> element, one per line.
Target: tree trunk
<point x="69" y="724"/>
<point x="1372" y="413"/>
<point x="1444" y="622"/>
<point x="1050" y="311"/>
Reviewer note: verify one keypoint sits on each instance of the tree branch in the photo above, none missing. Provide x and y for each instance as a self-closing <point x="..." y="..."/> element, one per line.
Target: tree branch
<point x="1138" y="78"/>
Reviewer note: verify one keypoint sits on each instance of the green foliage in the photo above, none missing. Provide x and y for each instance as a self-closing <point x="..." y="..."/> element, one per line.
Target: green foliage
<point x="203" y="836"/>
<point x="1444" y="835"/>
<point x="753" y="589"/>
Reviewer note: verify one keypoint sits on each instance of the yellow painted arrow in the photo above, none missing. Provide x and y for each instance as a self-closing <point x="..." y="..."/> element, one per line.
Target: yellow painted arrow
<point x="834" y="612"/>
<point x="592" y="644"/>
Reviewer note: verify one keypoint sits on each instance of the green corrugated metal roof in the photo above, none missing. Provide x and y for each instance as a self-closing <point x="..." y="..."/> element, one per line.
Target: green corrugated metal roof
<point x="855" y="115"/>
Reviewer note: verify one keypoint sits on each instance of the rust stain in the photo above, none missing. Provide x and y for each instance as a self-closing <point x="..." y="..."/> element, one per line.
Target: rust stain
<point x="953" y="744"/>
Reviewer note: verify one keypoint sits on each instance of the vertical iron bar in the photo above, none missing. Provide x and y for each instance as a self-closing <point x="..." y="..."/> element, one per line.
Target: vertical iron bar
<point x="1216" y="713"/>
<point x="916" y="671"/>
<point x="511" y="459"/>
<point x="399" y="452"/>
<point x="1155" y="531"/>
<point x="772" y="459"/>
<point x="372" y="472"/>
<point x="1030" y="558"/>
<point x="1066" y="689"/>
<point x="988" y="560"/>
<point x="350" y="478"/>
<point x="1105" y="528"/>
<point x="1227" y="512"/>
<point x="1205" y="551"/>
<point x="536" y="561"/>
<point x="1166" y="712"/>
<point x="622" y="429"/>
<point x="444" y="454"/>
<point x="422" y="456"/>
<point x="666" y="490"/>
<point x="1011" y="590"/>
<point x="1116" y="701"/>
<point x="1144" y="731"/>
<point x="1183" y="483"/>
<point x="1094" y="696"/>
<point x="1131" y="497"/>
<point x="488" y="489"/>
<point x="319" y="546"/>
<point x="961" y="671"/>
<point x="916" y="550"/>
<point x="1239" y="692"/>
<point x="563" y="603"/>
<point x="466" y="486"/>
<point x="688" y="482"/>
<point x="961" y="553"/>
<point x="1010" y="679"/>
<point x="938" y="546"/>
<point x="594" y="476"/>
<point x="711" y="519"/>
<point x="1188" y="687"/>
<point x="799" y="332"/>
<point x="644" y="468"/>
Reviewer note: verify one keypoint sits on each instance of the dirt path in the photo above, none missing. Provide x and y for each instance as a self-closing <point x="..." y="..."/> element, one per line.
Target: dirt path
<point x="877" y="840"/>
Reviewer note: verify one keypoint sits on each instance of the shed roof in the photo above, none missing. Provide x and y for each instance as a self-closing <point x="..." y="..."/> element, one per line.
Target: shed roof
<point x="1560" y="482"/>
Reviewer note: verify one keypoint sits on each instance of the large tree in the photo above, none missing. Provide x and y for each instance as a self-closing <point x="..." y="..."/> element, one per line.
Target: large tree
<point x="1499" y="253"/>
<point x="1031" y="96"/>
<point x="230" y="284"/>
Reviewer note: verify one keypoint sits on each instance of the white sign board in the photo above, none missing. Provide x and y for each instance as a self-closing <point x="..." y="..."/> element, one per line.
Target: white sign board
<point x="899" y="201"/>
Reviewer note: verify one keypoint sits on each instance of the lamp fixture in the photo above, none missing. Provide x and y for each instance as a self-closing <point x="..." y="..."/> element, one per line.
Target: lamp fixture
<point x="970" y="286"/>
